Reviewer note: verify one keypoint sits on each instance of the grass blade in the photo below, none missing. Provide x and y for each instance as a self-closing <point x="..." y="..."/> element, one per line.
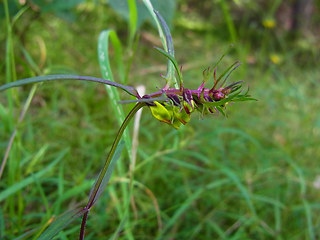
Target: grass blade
<point x="170" y="69"/>
<point x="170" y="76"/>
<point x="2" y="224"/>
<point x="103" y="53"/>
<point x="179" y="212"/>
<point x="107" y="175"/>
<point x="61" y="222"/>
<point x="187" y="203"/>
<point x="27" y="181"/>
<point x="169" y="43"/>
<point x="174" y="62"/>
<point x="75" y="191"/>
<point x="133" y="18"/>
<point x="303" y="192"/>
<point x="308" y="213"/>
<point x="244" y="192"/>
<point x="131" y="90"/>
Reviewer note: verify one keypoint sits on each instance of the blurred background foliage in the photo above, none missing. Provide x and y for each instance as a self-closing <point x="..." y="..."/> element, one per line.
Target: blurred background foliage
<point x="253" y="175"/>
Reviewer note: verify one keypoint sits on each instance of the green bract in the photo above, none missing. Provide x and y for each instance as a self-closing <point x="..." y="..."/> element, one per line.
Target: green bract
<point x="171" y="114"/>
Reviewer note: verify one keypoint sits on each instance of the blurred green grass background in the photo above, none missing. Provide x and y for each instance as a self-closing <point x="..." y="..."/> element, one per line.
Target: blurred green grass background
<point x="253" y="175"/>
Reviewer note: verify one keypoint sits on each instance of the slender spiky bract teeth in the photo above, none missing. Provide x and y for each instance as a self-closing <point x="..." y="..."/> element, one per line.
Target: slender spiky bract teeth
<point x="231" y="88"/>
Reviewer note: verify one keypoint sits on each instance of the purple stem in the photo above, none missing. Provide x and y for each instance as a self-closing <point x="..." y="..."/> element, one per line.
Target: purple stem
<point x="83" y="225"/>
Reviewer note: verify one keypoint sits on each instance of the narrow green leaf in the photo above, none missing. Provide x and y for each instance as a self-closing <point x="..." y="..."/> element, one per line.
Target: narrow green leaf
<point x="224" y="73"/>
<point x="166" y="7"/>
<point x="240" y="186"/>
<point x="207" y="73"/>
<point x="36" y="159"/>
<point x="77" y="190"/>
<point x="103" y="53"/>
<point x="184" y="206"/>
<point x="27" y="234"/>
<point x="174" y="62"/>
<point x="220" y="110"/>
<point x="170" y="69"/>
<point x="278" y="217"/>
<point x="298" y="170"/>
<point x="29" y="60"/>
<point x="184" y="164"/>
<point x="93" y="197"/>
<point x="237" y="64"/>
<point x="131" y="90"/>
<point x="272" y="201"/>
<point x="170" y="76"/>
<point x="228" y="19"/>
<point x="133" y="18"/>
<point x="61" y="222"/>
<point x="307" y="209"/>
<point x="187" y="203"/>
<point x="19" y="14"/>
<point x="303" y="191"/>
<point x="43" y="196"/>
<point x="120" y="227"/>
<point x="169" y="43"/>
<point x="149" y="6"/>
<point x="235" y="97"/>
<point x="27" y="181"/>
<point x="2" y="224"/>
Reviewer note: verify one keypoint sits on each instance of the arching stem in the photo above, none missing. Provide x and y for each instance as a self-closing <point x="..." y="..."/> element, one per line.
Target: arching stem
<point x="93" y="196"/>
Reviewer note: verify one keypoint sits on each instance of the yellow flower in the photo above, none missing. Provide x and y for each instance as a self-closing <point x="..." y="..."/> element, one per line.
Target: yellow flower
<point x="275" y="58"/>
<point x="269" y="22"/>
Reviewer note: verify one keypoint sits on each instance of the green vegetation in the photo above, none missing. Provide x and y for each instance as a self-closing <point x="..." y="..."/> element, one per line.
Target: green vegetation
<point x="253" y="175"/>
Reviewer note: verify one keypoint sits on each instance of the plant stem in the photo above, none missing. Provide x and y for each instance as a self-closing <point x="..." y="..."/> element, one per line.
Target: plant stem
<point x="97" y="186"/>
<point x="83" y="225"/>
